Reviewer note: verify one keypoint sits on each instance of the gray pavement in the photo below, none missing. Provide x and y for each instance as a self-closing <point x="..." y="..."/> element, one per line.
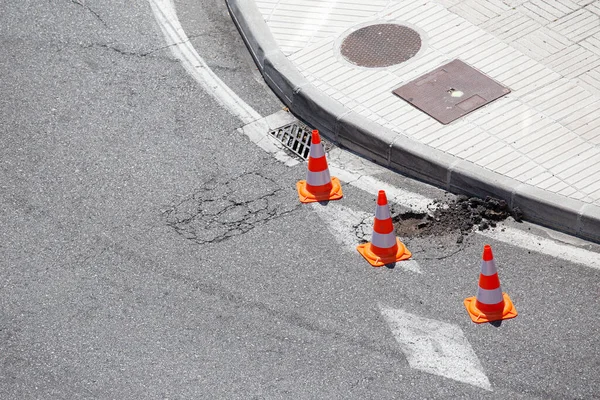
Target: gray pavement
<point x="117" y="282"/>
<point x="302" y="64"/>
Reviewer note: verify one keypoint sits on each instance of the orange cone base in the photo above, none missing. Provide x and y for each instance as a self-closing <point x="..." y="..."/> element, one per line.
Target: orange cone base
<point x="380" y="261"/>
<point x="480" y="317"/>
<point x="335" y="193"/>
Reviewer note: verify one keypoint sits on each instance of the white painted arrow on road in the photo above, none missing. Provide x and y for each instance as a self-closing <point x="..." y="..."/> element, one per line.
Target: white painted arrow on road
<point x="436" y="347"/>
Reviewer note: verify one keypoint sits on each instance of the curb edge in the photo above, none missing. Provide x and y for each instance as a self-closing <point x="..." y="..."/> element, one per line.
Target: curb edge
<point x="412" y="158"/>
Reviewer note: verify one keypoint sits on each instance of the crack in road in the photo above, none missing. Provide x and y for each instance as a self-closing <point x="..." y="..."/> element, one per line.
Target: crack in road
<point x="363" y="229"/>
<point x="137" y="54"/>
<point x="125" y="52"/>
<point x="82" y="4"/>
<point x="224" y="208"/>
<point x="115" y="49"/>
<point x="189" y="38"/>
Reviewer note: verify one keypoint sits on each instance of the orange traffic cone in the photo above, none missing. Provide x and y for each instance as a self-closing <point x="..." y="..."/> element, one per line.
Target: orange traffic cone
<point x="318" y="186"/>
<point x="384" y="247"/>
<point x="491" y="304"/>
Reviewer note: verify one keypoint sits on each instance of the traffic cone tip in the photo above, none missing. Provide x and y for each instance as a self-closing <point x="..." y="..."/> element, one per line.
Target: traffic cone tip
<point x="487" y="253"/>
<point x="315" y="138"/>
<point x="381" y="198"/>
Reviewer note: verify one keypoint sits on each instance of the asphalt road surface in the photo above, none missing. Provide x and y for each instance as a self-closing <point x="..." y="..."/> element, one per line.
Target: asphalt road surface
<point x="150" y="250"/>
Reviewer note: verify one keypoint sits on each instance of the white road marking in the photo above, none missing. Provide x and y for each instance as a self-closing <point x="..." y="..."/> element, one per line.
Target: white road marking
<point x="256" y="132"/>
<point x="345" y="224"/>
<point x="370" y="184"/>
<point x="348" y="227"/>
<point x="542" y="245"/>
<point x="256" y="127"/>
<point x="361" y="176"/>
<point x="411" y="265"/>
<point x="419" y="203"/>
<point x="436" y="347"/>
<point x="164" y="12"/>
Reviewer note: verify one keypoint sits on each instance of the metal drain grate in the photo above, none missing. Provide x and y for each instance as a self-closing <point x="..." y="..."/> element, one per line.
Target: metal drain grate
<point x="296" y="137"/>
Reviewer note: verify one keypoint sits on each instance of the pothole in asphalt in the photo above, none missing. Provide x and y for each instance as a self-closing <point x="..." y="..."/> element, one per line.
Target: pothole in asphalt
<point x="459" y="217"/>
<point x="410" y="224"/>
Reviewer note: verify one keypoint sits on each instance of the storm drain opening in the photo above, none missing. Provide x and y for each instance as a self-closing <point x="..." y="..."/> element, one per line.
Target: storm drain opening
<point x="295" y="137"/>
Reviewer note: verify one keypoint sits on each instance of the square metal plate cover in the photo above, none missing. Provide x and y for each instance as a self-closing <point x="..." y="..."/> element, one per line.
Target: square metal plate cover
<point x="451" y="91"/>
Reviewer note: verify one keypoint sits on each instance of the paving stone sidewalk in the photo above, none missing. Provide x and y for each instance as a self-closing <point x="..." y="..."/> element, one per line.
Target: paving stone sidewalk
<point x="537" y="147"/>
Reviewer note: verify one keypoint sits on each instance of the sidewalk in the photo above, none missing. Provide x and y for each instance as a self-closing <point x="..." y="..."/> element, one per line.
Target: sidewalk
<point x="537" y="147"/>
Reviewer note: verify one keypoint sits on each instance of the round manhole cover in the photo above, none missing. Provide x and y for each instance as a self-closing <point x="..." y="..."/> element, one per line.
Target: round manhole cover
<point x="381" y="45"/>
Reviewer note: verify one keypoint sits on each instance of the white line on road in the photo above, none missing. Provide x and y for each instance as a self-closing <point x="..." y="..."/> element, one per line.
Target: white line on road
<point x="436" y="347"/>
<point x="370" y="184"/>
<point x="542" y="245"/>
<point x="164" y="12"/>
<point x="512" y="236"/>
<point x="349" y="226"/>
<point x="344" y="223"/>
<point x="256" y="132"/>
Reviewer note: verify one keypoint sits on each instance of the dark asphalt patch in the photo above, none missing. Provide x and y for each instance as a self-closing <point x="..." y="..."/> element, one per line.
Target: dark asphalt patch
<point x="460" y="216"/>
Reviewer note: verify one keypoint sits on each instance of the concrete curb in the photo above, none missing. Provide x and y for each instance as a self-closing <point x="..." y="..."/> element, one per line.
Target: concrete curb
<point x="399" y="152"/>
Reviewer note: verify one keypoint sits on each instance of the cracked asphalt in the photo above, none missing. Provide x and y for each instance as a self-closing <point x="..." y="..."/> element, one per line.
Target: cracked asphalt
<point x="224" y="208"/>
<point x="148" y="250"/>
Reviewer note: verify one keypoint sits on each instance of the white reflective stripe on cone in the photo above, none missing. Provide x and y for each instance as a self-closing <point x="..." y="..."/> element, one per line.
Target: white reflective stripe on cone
<point x="489" y="296"/>
<point x="488" y="268"/>
<point x="382" y="212"/>
<point x="318" y="178"/>
<point x="317" y="150"/>
<point x="383" y="240"/>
